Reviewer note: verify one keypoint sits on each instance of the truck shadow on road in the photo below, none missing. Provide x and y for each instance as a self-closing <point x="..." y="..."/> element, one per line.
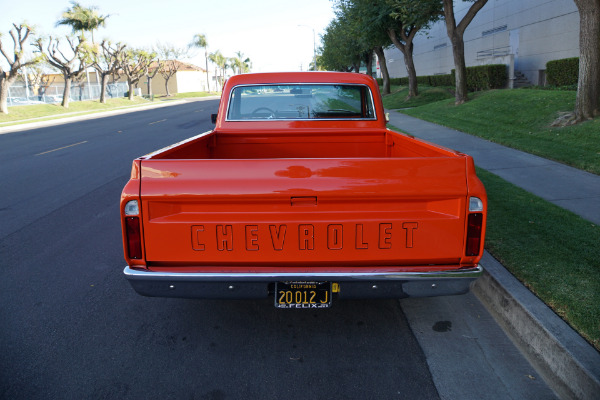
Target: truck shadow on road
<point x="356" y="349"/>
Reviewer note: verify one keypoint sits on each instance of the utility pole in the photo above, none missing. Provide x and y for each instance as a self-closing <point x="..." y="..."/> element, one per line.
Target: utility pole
<point x="314" y="46"/>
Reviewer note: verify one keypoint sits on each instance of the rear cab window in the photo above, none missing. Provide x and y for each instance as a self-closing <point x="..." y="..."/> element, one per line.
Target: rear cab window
<point x="301" y="102"/>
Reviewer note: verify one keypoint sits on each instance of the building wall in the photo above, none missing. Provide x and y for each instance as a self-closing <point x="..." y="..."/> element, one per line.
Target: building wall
<point x="532" y="31"/>
<point x="181" y="82"/>
<point x="191" y="81"/>
<point x="158" y="85"/>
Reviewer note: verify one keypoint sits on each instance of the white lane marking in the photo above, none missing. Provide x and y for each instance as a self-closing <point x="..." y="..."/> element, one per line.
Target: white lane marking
<point x="156" y="122"/>
<point x="60" y="148"/>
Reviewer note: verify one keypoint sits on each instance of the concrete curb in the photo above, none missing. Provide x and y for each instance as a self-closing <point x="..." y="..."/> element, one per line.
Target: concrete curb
<point x="568" y="363"/>
<point x="94" y="115"/>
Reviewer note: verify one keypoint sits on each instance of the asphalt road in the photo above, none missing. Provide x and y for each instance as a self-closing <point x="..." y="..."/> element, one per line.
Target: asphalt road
<point x="72" y="328"/>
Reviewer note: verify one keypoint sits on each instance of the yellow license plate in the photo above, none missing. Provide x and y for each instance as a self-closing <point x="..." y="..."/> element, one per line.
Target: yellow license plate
<point x="303" y="294"/>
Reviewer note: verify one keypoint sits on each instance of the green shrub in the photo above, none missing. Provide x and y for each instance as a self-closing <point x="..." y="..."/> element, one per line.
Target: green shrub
<point x="485" y="77"/>
<point x="441" y="80"/>
<point x="563" y="72"/>
<point x="394" y="81"/>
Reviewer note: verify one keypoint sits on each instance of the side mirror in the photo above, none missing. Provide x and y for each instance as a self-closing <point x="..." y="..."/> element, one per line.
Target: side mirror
<point x="213" y="118"/>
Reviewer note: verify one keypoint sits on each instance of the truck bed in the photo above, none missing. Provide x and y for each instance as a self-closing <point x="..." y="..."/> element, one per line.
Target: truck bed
<point x="277" y="145"/>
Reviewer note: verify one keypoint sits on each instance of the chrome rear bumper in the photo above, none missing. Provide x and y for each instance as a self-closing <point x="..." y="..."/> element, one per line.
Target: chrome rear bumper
<point x="260" y="285"/>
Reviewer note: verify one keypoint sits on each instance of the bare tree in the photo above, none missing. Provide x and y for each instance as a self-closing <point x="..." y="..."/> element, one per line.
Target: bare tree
<point x="153" y="69"/>
<point x="16" y="60"/>
<point x="107" y="61"/>
<point x="456" y="33"/>
<point x="79" y="83"/>
<point x="72" y="64"/>
<point x="135" y="64"/>
<point x="170" y="55"/>
<point x="587" y="105"/>
<point x="40" y="80"/>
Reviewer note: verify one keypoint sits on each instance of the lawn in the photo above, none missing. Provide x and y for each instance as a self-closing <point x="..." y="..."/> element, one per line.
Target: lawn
<point x="521" y="118"/>
<point x="554" y="252"/>
<point x="37" y="112"/>
<point x="49" y="111"/>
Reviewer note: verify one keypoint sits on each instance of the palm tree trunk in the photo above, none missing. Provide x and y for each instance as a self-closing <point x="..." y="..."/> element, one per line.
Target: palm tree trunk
<point x="207" y="79"/>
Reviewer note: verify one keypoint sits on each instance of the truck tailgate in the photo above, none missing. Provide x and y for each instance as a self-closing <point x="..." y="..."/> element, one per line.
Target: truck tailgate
<point x="296" y="213"/>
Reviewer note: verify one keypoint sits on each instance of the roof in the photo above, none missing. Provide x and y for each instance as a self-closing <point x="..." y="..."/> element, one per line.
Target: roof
<point x="181" y="66"/>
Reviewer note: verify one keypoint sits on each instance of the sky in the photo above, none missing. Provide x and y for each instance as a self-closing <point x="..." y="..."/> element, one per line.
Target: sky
<point x="277" y="35"/>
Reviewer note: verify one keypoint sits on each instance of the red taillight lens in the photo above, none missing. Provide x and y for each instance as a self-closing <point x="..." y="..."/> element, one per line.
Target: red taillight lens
<point x="475" y="225"/>
<point x="134" y="238"/>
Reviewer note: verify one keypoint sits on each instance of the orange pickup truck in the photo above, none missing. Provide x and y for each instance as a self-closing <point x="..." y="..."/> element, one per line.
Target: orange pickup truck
<point x="301" y="193"/>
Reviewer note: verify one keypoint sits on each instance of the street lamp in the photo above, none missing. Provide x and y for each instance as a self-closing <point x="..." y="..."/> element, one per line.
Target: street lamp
<point x="314" y="45"/>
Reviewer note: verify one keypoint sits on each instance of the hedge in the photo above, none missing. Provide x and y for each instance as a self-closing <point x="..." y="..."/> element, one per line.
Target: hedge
<point x="478" y="78"/>
<point x="485" y="77"/>
<point x="563" y="72"/>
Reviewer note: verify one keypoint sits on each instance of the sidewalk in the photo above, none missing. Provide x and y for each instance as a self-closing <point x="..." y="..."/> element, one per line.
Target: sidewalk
<point x="569" y="364"/>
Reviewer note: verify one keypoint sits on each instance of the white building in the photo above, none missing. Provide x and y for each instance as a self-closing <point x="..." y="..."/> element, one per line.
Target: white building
<point x="523" y="34"/>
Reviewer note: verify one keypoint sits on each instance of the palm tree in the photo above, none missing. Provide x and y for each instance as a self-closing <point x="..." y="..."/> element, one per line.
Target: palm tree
<point x="220" y="61"/>
<point x="200" y="41"/>
<point x="242" y="65"/>
<point x="82" y="19"/>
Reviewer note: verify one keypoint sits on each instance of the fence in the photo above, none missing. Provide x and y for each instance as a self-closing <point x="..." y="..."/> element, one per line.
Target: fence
<point x="20" y="94"/>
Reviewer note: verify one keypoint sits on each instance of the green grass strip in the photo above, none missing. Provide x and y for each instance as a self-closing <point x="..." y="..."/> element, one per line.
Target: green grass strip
<point x="41" y="112"/>
<point x="521" y="118"/>
<point x="554" y="252"/>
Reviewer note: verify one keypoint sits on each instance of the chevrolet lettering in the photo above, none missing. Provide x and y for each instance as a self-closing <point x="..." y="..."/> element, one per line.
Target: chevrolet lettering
<point x="303" y="236"/>
<point x="302" y="194"/>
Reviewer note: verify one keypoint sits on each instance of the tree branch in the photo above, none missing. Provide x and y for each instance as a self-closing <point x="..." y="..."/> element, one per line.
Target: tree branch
<point x="392" y="34"/>
<point x="473" y="10"/>
<point x="449" y="17"/>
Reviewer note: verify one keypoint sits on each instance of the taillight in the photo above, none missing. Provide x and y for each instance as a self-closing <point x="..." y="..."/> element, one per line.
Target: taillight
<point x="134" y="237"/>
<point x="474" y="228"/>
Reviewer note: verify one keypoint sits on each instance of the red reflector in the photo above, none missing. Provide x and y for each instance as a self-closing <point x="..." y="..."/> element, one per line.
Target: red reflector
<point x="475" y="225"/>
<point x="134" y="238"/>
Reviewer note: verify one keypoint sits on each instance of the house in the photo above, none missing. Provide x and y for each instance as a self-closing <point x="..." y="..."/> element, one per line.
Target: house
<point x="186" y="78"/>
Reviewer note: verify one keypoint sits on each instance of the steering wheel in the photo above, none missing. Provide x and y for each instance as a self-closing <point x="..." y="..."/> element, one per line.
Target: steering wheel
<point x="264" y="109"/>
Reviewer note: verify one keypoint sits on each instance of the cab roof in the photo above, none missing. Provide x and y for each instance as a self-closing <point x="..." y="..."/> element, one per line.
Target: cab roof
<point x="300" y="77"/>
